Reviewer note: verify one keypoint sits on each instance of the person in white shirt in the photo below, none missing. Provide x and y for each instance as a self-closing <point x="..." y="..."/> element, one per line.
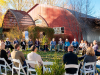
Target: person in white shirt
<point x="33" y="56"/>
<point x="82" y="44"/>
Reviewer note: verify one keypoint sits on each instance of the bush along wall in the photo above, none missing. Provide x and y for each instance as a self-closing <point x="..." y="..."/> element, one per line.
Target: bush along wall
<point x="34" y="32"/>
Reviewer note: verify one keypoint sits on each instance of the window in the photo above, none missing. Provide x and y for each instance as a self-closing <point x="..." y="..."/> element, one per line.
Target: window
<point x="38" y="21"/>
<point x="58" y="30"/>
<point x="62" y="29"/>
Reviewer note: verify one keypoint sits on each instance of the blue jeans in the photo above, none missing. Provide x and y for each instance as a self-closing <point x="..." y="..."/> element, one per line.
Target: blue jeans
<point x="25" y="65"/>
<point x="52" y="47"/>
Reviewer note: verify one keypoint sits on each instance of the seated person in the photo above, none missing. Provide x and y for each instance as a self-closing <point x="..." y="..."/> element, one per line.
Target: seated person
<point x="16" y="54"/>
<point x="45" y="47"/>
<point x="33" y="56"/>
<point x="82" y="44"/>
<point x="52" y="44"/>
<point x="67" y="43"/>
<point x="89" y="57"/>
<point x="23" y="44"/>
<point x="8" y="44"/>
<point x="95" y="47"/>
<point x="8" y="52"/>
<point x="15" y="41"/>
<point x="3" y="53"/>
<point x="60" y="44"/>
<point x="84" y="48"/>
<point x="70" y="58"/>
<point x="30" y="43"/>
<point x="37" y="43"/>
<point x="75" y="44"/>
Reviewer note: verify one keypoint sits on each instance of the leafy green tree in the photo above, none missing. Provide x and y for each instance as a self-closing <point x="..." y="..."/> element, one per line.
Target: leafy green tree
<point x="14" y="33"/>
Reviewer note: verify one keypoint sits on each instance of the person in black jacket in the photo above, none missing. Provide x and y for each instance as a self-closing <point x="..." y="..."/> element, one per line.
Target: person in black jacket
<point x="70" y="58"/>
<point x="3" y="54"/>
<point x="23" y="44"/>
<point x="15" y="41"/>
<point x="37" y="43"/>
<point x="8" y="44"/>
<point x="45" y="47"/>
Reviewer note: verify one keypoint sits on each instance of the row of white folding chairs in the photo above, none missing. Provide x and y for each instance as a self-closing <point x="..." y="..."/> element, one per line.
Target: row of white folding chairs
<point x="83" y="70"/>
<point x="18" y="69"/>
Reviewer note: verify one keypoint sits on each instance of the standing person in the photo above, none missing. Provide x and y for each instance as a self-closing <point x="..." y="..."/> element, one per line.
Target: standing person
<point x="8" y="44"/>
<point x="37" y="43"/>
<point x="15" y="41"/>
<point x="60" y="44"/>
<point x="16" y="54"/>
<point x="67" y="43"/>
<point x="23" y="44"/>
<point x="52" y="44"/>
<point x="33" y="56"/>
<point x="70" y="58"/>
<point x="75" y="43"/>
<point x="30" y="43"/>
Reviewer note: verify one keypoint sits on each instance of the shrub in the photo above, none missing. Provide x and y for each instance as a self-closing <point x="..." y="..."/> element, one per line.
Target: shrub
<point x="34" y="32"/>
<point x="56" y="68"/>
<point x="44" y="39"/>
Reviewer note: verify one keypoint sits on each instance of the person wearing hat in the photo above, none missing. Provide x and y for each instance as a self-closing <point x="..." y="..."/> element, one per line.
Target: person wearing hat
<point x="67" y="43"/>
<point x="8" y="44"/>
<point x="3" y="53"/>
<point x="60" y="44"/>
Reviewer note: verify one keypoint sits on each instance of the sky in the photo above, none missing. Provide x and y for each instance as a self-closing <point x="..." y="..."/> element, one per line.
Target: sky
<point x="96" y="8"/>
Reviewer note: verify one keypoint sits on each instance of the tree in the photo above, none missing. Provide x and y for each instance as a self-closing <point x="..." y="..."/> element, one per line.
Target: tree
<point x="25" y="5"/>
<point x="81" y="8"/>
<point x="14" y="33"/>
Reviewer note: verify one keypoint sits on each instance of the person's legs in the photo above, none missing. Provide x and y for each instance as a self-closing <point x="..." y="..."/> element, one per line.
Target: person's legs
<point x="61" y="46"/>
<point x="50" y="48"/>
<point x="11" y="47"/>
<point x="66" y="49"/>
<point x="80" y="48"/>
<point x="97" y="53"/>
<point x="58" y="47"/>
<point x="25" y="65"/>
<point x="9" y="62"/>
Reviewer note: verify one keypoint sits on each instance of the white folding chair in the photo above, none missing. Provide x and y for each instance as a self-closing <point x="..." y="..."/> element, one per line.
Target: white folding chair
<point x="5" y="65"/>
<point x="18" y="69"/>
<point x="72" y="66"/>
<point x="89" y="70"/>
<point x="44" y="68"/>
<point x="29" y="69"/>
